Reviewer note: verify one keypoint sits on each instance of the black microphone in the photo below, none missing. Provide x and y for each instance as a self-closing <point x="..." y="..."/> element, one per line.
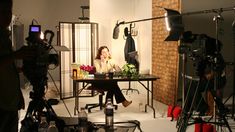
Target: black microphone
<point x="116" y="30"/>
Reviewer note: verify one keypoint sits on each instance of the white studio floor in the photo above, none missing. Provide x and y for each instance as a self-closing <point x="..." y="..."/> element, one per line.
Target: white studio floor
<point x="133" y="112"/>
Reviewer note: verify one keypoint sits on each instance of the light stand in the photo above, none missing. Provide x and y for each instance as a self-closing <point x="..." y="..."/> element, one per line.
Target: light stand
<point x="182" y="51"/>
<point x="222" y="111"/>
<point x="233" y="26"/>
<point x="215" y="69"/>
<point x="233" y="63"/>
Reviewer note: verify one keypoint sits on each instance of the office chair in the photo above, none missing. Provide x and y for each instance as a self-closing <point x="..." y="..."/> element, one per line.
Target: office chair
<point x="100" y="104"/>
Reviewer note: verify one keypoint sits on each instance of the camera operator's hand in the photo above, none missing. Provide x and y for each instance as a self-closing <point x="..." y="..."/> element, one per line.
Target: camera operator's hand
<point x="25" y="52"/>
<point x="210" y="75"/>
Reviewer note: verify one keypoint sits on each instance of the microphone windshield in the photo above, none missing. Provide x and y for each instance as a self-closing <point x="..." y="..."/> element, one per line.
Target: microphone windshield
<point x="116" y="31"/>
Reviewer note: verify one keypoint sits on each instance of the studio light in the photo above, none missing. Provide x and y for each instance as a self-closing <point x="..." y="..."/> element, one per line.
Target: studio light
<point x="173" y="21"/>
<point x="41" y="35"/>
<point x="174" y="25"/>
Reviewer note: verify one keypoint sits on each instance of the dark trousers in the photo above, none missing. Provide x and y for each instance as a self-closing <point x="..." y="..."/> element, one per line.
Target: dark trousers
<point x="112" y="88"/>
<point x="8" y="121"/>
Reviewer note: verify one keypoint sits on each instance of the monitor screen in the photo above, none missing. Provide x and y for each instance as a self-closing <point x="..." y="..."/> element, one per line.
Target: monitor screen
<point x="35" y="28"/>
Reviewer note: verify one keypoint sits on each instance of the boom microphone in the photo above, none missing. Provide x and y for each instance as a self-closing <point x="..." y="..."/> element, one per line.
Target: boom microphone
<point x="116" y="30"/>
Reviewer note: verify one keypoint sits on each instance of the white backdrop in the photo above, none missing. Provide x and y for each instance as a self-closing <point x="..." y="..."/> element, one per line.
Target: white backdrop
<point x="107" y="12"/>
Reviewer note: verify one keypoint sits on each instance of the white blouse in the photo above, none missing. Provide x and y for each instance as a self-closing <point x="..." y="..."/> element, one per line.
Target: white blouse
<point x="105" y="67"/>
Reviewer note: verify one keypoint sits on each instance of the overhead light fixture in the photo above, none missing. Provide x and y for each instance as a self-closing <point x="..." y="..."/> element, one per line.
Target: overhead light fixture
<point x="174" y="25"/>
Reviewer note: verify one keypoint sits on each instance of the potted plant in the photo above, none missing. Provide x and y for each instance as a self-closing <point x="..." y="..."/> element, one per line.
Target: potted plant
<point x="130" y="71"/>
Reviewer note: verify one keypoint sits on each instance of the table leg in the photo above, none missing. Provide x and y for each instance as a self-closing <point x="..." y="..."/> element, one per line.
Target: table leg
<point x="76" y="97"/>
<point x="152" y="99"/>
<point x="150" y="104"/>
<point x="147" y="96"/>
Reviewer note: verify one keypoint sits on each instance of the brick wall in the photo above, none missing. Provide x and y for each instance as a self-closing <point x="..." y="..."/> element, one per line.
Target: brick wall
<point x="164" y="55"/>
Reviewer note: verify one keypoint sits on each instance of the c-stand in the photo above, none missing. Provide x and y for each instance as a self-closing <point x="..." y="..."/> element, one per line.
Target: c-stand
<point x="218" y="64"/>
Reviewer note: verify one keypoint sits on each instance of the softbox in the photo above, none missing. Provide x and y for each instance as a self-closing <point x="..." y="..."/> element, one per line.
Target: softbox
<point x="174" y="24"/>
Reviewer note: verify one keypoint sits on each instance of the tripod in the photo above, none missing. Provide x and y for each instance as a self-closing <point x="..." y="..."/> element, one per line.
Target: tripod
<point x="186" y="118"/>
<point x="38" y="106"/>
<point x="36" y="73"/>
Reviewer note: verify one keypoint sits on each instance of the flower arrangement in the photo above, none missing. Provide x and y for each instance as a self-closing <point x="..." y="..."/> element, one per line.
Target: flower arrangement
<point x="129" y="70"/>
<point x="87" y="68"/>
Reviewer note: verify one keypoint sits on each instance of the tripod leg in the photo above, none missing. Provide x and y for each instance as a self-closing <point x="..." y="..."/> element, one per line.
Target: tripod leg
<point x="226" y="123"/>
<point x="185" y="107"/>
<point x="221" y="109"/>
<point x="186" y="114"/>
<point x="184" y="111"/>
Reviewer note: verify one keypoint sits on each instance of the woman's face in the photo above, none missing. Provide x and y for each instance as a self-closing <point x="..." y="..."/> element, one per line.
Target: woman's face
<point x="105" y="53"/>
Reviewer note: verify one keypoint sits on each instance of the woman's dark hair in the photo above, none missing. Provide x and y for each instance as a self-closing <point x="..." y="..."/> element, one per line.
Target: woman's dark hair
<point x="100" y="50"/>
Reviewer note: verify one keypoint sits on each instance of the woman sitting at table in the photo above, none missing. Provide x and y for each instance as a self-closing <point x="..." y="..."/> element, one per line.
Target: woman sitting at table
<point x="104" y="64"/>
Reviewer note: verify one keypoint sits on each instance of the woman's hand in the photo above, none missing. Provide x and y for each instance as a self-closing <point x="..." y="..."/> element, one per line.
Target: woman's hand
<point x="117" y="68"/>
<point x="102" y="58"/>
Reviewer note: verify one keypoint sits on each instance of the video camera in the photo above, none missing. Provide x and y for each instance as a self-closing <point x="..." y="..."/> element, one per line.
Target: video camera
<point x="203" y="50"/>
<point x="199" y="46"/>
<point x="36" y="69"/>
